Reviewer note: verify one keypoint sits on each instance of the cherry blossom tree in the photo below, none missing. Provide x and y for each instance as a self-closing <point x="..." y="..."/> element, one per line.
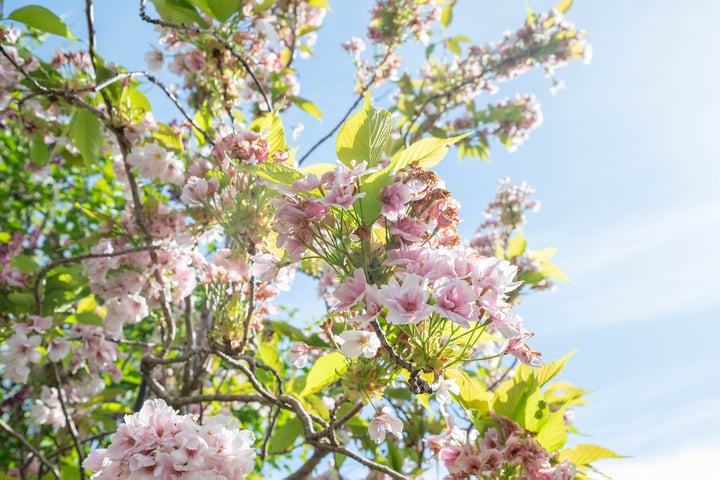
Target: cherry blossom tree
<point x="141" y="258"/>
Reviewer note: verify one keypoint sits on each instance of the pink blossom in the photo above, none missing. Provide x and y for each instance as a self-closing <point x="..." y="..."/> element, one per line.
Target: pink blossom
<point x="455" y="300"/>
<point x="385" y="423"/>
<point x="355" y="343"/>
<point x="517" y="347"/>
<point x="394" y="198"/>
<point x="299" y="354"/>
<point x="122" y="310"/>
<point x="58" y="349"/>
<point x="406" y="303"/>
<point x="341" y="186"/>
<point x="351" y="290"/>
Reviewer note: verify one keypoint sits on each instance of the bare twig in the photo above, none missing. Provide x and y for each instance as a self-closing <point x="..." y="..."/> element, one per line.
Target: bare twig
<point x="305" y="472"/>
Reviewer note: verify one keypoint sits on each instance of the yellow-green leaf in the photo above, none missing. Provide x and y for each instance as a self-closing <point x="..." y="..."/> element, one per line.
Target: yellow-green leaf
<point x="269" y="355"/>
<point x="308" y="106"/>
<point x="41" y="18"/>
<point x="516" y="245"/>
<point x="563" y="6"/>
<point x="544" y="254"/>
<point x="547" y="372"/>
<point x="364" y="135"/>
<point x="325" y="371"/>
<point x="472" y="395"/>
<point x="317" y="169"/>
<point x="428" y="152"/>
<point x="553" y="271"/>
<point x="85" y="131"/>
<point x="553" y="435"/>
<point x="585" y="454"/>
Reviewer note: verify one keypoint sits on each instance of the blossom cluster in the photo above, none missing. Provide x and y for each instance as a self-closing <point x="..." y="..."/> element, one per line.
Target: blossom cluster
<point x="157" y="442"/>
<point x="506" y="451"/>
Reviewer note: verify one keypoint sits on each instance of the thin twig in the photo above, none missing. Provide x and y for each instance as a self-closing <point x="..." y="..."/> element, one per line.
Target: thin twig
<point x="202" y="31"/>
<point x="30" y="447"/>
<point x="72" y="428"/>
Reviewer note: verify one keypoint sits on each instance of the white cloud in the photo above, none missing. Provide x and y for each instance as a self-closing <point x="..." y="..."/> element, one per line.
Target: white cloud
<point x="687" y="462"/>
<point x="638" y="270"/>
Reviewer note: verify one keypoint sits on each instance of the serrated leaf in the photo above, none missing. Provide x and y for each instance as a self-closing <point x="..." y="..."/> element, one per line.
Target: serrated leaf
<point x="364" y="135"/>
<point x="369" y="206"/>
<point x="428" y="152"/>
<point x="85" y="318"/>
<point x="308" y="106"/>
<point x="472" y="395"/>
<point x="317" y="169"/>
<point x="548" y="371"/>
<point x="516" y="245"/>
<point x="585" y="454"/>
<point x="324" y="371"/>
<point x="41" y="18"/>
<point x="85" y="131"/>
<point x="553" y="435"/>
<point x="563" y="6"/>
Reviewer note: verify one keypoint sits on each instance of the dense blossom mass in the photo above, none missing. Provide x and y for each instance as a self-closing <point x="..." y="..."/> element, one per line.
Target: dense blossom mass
<point x="144" y="332"/>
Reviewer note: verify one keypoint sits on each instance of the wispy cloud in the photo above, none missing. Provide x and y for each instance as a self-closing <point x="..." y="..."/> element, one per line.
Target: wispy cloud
<point x="659" y="264"/>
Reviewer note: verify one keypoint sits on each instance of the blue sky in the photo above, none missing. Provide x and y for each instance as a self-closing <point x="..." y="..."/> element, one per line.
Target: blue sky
<point x="626" y="165"/>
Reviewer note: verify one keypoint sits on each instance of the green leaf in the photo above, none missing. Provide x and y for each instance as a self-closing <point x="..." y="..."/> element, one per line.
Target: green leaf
<point x="284" y="436"/>
<point x="269" y="355"/>
<point x="395" y="457"/>
<point x="447" y="14"/>
<point x="223" y="9"/>
<point x="179" y="11"/>
<point x="427" y="152"/>
<point x="370" y="205"/>
<point x="204" y="120"/>
<point x="454" y="46"/>
<point x="85" y="130"/>
<point x="274" y="172"/>
<point x="513" y="397"/>
<point x="41" y="18"/>
<point x="472" y="395"/>
<point x="5" y="237"/>
<point x="271" y="125"/>
<point x="553" y="435"/>
<point x="563" y="6"/>
<point x="22" y="299"/>
<point x="85" y="318"/>
<point x="549" y="371"/>
<point x="325" y="371"/>
<point x="39" y="151"/>
<point x="364" y="135"/>
<point x="308" y="106"/>
<point x="24" y="263"/>
<point x="553" y="271"/>
<point x="134" y="103"/>
<point x="584" y="454"/>
<point x="544" y="254"/>
<point x="516" y="246"/>
<point x="167" y="137"/>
